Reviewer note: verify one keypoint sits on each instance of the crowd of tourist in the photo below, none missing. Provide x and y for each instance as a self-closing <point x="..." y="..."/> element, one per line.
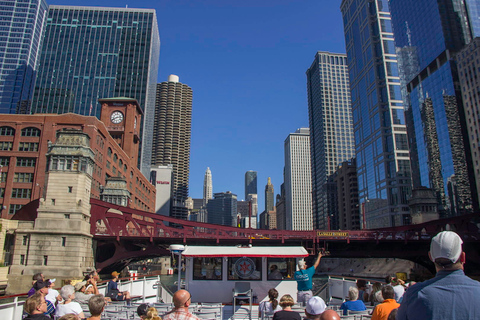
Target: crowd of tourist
<point x="449" y="295"/>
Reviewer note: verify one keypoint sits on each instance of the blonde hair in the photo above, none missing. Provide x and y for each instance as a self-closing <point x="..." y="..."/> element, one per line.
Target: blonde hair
<point x="152" y="314"/>
<point x="286" y="301"/>
<point x="69" y="316"/>
<point x="33" y="302"/>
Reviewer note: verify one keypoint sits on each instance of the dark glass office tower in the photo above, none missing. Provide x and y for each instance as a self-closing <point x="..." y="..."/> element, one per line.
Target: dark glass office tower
<point x="171" y="138"/>
<point x="428" y="34"/>
<point x="381" y="147"/>
<point x="93" y="52"/>
<point x="21" y="25"/>
<point x="331" y="130"/>
<point x="250" y="183"/>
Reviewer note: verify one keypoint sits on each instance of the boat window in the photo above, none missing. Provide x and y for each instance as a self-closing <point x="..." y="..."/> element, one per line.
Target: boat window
<point x="207" y="269"/>
<point x="245" y="268"/>
<point x="280" y="268"/>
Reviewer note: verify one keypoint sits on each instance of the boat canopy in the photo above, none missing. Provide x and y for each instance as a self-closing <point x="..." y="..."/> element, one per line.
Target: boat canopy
<point x="245" y="251"/>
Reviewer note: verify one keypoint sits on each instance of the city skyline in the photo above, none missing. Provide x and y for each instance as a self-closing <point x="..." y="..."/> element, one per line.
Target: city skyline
<point x="244" y="104"/>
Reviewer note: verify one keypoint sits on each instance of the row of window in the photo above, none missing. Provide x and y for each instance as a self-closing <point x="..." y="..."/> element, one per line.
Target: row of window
<point x="26" y="132"/>
<point x="18" y="177"/>
<point x="23" y="146"/>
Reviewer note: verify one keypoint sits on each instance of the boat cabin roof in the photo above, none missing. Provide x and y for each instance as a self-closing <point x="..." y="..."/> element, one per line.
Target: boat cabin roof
<point x="244" y="251"/>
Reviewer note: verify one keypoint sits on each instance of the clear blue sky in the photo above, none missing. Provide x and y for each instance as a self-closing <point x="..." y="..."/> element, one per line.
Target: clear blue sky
<point x="245" y="61"/>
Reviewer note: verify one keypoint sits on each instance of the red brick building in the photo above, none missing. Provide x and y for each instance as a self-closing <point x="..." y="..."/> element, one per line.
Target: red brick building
<point x="24" y="141"/>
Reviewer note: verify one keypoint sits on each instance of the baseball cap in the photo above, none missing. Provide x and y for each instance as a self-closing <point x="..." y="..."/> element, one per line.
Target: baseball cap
<point x="115" y="274"/>
<point x="39" y="285"/>
<point x="446" y="244"/>
<point x="142" y="309"/>
<point x="51" y="280"/>
<point x="315" y="306"/>
<point x="79" y="285"/>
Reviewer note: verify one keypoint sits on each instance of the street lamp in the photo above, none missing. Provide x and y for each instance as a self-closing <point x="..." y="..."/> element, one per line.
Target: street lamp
<point x="178" y="249"/>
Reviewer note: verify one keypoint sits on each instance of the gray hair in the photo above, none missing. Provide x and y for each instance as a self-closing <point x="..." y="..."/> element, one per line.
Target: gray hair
<point x="67" y="291"/>
<point x="353" y="293"/>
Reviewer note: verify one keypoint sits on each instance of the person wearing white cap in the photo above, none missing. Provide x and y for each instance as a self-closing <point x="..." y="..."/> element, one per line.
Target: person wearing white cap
<point x="450" y="294"/>
<point x="304" y="279"/>
<point x="314" y="308"/>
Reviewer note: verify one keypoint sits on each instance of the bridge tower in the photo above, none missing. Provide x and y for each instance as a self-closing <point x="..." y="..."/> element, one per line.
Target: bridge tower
<point x="58" y="243"/>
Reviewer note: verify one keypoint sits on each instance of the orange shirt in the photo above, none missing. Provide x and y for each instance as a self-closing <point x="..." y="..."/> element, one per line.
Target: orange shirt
<point x="382" y="310"/>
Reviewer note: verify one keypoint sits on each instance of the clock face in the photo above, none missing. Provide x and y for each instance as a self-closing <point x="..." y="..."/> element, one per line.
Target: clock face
<point x="116" y="117"/>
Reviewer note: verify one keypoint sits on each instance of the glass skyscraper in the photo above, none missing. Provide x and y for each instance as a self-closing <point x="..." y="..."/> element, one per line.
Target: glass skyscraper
<point x="90" y="53"/>
<point x="250" y="183"/>
<point x="21" y="25"/>
<point x="381" y="146"/>
<point x="331" y="131"/>
<point x="428" y="34"/>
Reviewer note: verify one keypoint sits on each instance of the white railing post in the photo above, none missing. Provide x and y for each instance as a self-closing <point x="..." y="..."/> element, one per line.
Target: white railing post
<point x="15" y="305"/>
<point x="144" y="287"/>
<point x="158" y="288"/>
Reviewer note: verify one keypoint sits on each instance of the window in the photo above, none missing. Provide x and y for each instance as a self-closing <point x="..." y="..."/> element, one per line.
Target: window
<point x="70" y="189"/>
<point x="45" y="260"/>
<point x="7" y="131"/>
<point x="245" y="268"/>
<point x="207" y="269"/>
<point x="14" y="208"/>
<point x="31" y="132"/>
<point x="64" y="241"/>
<point x="53" y="202"/>
<point x="6" y="146"/>
<point x="26" y="162"/>
<point x="23" y="177"/>
<point x="25" y="240"/>
<point x="22" y="259"/>
<point x="3" y="177"/>
<point x="109" y="152"/>
<point x="4" y="161"/>
<point x="67" y="216"/>
<point x="21" y="193"/>
<point x="28" y="146"/>
<point x="280" y="268"/>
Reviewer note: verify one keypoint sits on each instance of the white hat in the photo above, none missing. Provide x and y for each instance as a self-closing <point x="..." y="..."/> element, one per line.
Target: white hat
<point x="301" y="264"/>
<point x="315" y="306"/>
<point x="446" y="244"/>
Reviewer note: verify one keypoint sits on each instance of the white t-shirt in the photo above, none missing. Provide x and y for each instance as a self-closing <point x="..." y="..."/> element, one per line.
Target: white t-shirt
<point x="52" y="295"/>
<point x="266" y="307"/>
<point x="399" y="291"/>
<point x="71" y="307"/>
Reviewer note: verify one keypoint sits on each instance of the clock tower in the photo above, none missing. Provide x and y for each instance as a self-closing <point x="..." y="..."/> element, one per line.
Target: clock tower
<point x="122" y="117"/>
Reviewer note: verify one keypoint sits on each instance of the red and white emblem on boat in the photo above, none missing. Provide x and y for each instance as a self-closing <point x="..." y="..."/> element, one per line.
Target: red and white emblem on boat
<point x="244" y="267"/>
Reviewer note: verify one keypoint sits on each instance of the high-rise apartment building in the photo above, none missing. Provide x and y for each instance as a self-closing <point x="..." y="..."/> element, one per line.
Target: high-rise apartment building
<point x="207" y="186"/>
<point x="222" y="209"/>
<point x="347" y="195"/>
<point x="250" y="183"/>
<point x="21" y="26"/>
<point x="428" y="36"/>
<point x="381" y="146"/>
<point x="171" y="138"/>
<point x="90" y="53"/>
<point x="469" y="76"/>
<point x="331" y="129"/>
<point x="298" y="181"/>
<point x="269" y="196"/>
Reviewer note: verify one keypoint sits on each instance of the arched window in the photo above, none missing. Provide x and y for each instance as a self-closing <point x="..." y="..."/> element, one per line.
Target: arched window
<point x="7" y="131"/>
<point x="109" y="152"/>
<point x="115" y="157"/>
<point x="31" y="132"/>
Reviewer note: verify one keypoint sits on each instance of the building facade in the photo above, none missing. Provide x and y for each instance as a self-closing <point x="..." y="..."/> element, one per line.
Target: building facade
<point x="21" y="25"/>
<point x="298" y="182"/>
<point x="331" y="129"/>
<point x="162" y="178"/>
<point x="379" y="126"/>
<point x="171" y="138"/>
<point x="468" y="72"/>
<point x="269" y="196"/>
<point x="250" y="183"/>
<point x="347" y="195"/>
<point x="440" y="150"/>
<point x="90" y="53"/>
<point x="280" y="208"/>
<point x="25" y="139"/>
<point x="207" y="186"/>
<point x="222" y="209"/>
